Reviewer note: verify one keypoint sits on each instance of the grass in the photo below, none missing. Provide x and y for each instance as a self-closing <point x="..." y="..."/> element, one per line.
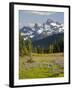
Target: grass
<point x="43" y="66"/>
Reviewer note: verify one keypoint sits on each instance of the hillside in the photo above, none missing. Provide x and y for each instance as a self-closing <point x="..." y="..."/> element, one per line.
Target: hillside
<point x="48" y="40"/>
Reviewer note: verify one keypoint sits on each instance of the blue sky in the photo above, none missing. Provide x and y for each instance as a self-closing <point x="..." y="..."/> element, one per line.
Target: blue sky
<point x="30" y="17"/>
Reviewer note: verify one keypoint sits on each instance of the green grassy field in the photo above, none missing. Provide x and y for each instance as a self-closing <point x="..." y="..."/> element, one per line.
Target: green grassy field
<point x="43" y="66"/>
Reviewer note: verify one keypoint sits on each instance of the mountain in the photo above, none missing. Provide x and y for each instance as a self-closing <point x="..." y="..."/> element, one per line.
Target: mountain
<point x="45" y="42"/>
<point x="38" y="32"/>
<point x="49" y="21"/>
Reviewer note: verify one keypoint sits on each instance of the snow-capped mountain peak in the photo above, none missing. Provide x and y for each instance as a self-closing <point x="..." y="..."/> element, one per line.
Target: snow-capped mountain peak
<point x="39" y="31"/>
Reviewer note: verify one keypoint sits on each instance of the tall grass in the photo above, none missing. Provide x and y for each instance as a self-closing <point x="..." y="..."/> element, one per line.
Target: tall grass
<point x="42" y="66"/>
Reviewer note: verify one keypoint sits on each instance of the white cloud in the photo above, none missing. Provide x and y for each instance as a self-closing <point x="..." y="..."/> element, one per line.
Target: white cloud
<point x="42" y="13"/>
<point x="38" y="12"/>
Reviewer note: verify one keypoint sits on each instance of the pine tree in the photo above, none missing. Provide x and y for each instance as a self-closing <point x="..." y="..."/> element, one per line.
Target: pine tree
<point x="29" y="49"/>
<point x="50" y="49"/>
<point x="21" y="45"/>
<point x="35" y="50"/>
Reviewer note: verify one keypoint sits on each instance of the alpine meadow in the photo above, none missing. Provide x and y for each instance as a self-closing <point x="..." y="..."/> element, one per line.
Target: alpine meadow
<point x="41" y="44"/>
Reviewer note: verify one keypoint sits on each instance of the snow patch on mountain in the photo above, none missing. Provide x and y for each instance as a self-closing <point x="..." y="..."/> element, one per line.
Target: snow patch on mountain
<point x="38" y="31"/>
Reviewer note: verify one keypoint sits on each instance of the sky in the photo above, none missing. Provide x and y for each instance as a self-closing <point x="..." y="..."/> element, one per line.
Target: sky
<point x="29" y="18"/>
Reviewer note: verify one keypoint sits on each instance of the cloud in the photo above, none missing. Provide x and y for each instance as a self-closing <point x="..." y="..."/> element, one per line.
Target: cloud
<point x="37" y="12"/>
<point x="42" y="13"/>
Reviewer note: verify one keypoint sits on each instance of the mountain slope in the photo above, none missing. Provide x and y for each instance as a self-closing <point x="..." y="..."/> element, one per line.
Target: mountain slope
<point x="44" y="30"/>
<point x="48" y="40"/>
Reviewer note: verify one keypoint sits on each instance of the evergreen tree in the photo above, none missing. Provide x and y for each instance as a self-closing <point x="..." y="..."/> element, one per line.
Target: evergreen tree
<point x="35" y="50"/>
<point x="29" y="47"/>
<point x="38" y="49"/>
<point x="50" y="50"/>
<point x="21" y="45"/>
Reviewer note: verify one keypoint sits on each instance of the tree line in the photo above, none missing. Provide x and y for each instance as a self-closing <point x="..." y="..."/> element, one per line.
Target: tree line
<point x="57" y="46"/>
<point x="26" y="48"/>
